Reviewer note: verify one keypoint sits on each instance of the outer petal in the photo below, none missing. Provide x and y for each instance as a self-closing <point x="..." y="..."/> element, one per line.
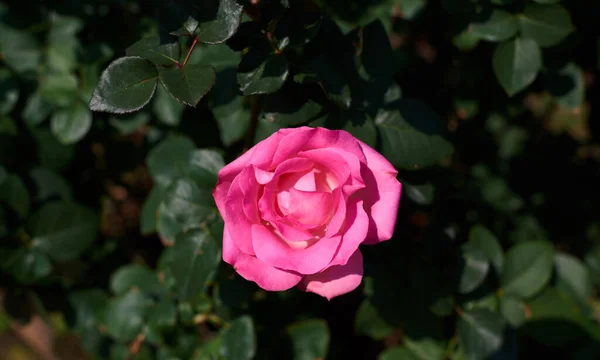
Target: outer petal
<point x="336" y="280"/>
<point x="353" y="234"/>
<point x="251" y="268"/>
<point x="305" y="138"/>
<point x="274" y="251"/>
<point x="241" y="210"/>
<point x="381" y="195"/>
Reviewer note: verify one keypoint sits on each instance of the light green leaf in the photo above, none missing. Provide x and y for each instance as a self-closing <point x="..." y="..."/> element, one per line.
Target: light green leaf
<point x="150" y="210"/>
<point x="483" y="239"/>
<point x="135" y="276"/>
<point x="397" y="353"/>
<point x="168" y="160"/>
<point x="573" y="277"/>
<point x="310" y="339"/>
<point x="70" y="125"/>
<point x="501" y="26"/>
<point x="513" y="310"/>
<point x="124" y="315"/>
<point x="59" y="89"/>
<point x="24" y="265"/>
<point x="239" y="340"/>
<point x="474" y="269"/>
<point x="36" y="109"/>
<point x="480" y="332"/>
<point x="167" y="109"/>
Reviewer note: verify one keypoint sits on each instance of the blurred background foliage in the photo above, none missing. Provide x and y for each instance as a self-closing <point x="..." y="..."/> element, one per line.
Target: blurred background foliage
<point x="115" y="117"/>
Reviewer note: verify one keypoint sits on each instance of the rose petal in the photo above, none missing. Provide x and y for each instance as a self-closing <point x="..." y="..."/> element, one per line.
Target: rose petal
<point x="275" y="252"/>
<point x="310" y="208"/>
<point x="305" y="138"/>
<point x="381" y="195"/>
<point x="354" y="232"/>
<point x="340" y="162"/>
<point x="241" y="209"/>
<point x="336" y="280"/>
<point x="251" y="268"/>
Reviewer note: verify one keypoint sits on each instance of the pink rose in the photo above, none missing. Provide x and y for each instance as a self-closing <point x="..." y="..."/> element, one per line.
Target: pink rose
<point x="297" y="206"/>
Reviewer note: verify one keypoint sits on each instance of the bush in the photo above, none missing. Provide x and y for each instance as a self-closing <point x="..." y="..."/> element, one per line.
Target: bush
<point x="116" y="116"/>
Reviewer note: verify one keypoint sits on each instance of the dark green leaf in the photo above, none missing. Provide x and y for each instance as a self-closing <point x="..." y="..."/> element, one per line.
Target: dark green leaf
<point x="527" y="269"/>
<point x="546" y="24"/>
<point x="168" y="160"/>
<point x="189" y="83"/>
<point x="513" y="310"/>
<point x="167" y="109"/>
<point x="51" y="153"/>
<point x="567" y="86"/>
<point x="425" y="348"/>
<point x="150" y="210"/>
<point x="204" y="166"/>
<point x="368" y="322"/>
<point x="397" y="353"/>
<point x="310" y="339"/>
<point x="259" y="73"/>
<point x="239" y="340"/>
<point x="9" y="92"/>
<point x="129" y="123"/>
<point x="573" y="277"/>
<point x="219" y="56"/>
<point x="288" y="110"/>
<point x="88" y="305"/>
<point x="49" y="184"/>
<point x="186" y="206"/>
<point x="480" y="331"/>
<point x="8" y="126"/>
<point x="19" y="49"/>
<point x="228" y="18"/>
<point x="516" y="64"/>
<point x="70" y="125"/>
<point x="194" y="260"/>
<point x="421" y="194"/>
<point x="321" y="71"/>
<point x="36" y="109"/>
<point x="483" y="239"/>
<point x="14" y="194"/>
<point x="151" y="48"/>
<point x="24" y="265"/>
<point x="63" y="230"/>
<point x="126" y="85"/>
<point x="233" y="120"/>
<point x="59" y="89"/>
<point x="475" y="267"/>
<point x="592" y="260"/>
<point x="164" y="314"/>
<point x="135" y="276"/>
<point x="376" y="52"/>
<point x="500" y="26"/>
<point x="124" y="315"/>
<point x="405" y="146"/>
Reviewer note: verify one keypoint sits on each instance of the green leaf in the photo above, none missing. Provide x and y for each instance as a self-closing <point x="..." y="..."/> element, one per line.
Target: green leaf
<point x="404" y="145"/>
<point x="135" y="276"/>
<point x="8" y="126"/>
<point x="546" y="24"/>
<point x="233" y="120"/>
<point x="484" y="240"/>
<point x="189" y="83"/>
<point x="204" y="166"/>
<point x="88" y="306"/>
<point x="397" y="353"/>
<point x="126" y="85"/>
<point x="186" y="206"/>
<point x="36" y="109"/>
<point x="500" y="26"/>
<point x="163" y="315"/>
<point x="288" y="110"/>
<point x="49" y="184"/>
<point x="63" y="230"/>
<point x="24" y="265"/>
<point x="14" y="194"/>
<point x="151" y="48"/>
<point x="527" y="269"/>
<point x="195" y="258"/>
<point x="20" y="50"/>
<point x="128" y="123"/>
<point x="168" y="160"/>
<point x="167" y="109"/>
<point x="573" y="277"/>
<point x="425" y="348"/>
<point x="228" y="18"/>
<point x="513" y="310"/>
<point x="9" y="92"/>
<point x="363" y="129"/>
<point x="220" y="56"/>
<point x="150" y="210"/>
<point x="516" y="64"/>
<point x="239" y="340"/>
<point x="51" y="153"/>
<point x="567" y="86"/>
<point x="376" y="51"/>
<point x="466" y="40"/>
<point x="592" y="260"/>
<point x="124" y="315"/>
<point x="480" y="331"/>
<point x="310" y="339"/>
<point x="421" y="194"/>
<point x="259" y="73"/>
<point x="475" y="267"/>
<point x="59" y="89"/>
<point x="368" y="322"/>
<point x="322" y="71"/>
<point x="70" y="125"/>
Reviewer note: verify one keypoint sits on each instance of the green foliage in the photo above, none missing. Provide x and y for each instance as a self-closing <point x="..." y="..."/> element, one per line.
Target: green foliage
<point x="117" y="116"/>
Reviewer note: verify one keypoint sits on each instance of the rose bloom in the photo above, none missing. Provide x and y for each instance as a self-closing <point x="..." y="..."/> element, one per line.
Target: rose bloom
<point x="297" y="206"/>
